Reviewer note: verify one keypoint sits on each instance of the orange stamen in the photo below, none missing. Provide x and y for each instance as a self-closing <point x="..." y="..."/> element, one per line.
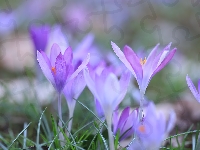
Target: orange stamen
<point x="142" y="128"/>
<point x="142" y="62"/>
<point x="53" y="69"/>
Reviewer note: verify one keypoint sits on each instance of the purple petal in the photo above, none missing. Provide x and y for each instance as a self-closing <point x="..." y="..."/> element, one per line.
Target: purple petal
<point x="192" y="88"/>
<point x="124" y="80"/>
<point x="135" y="63"/>
<point x="90" y="83"/>
<point x="45" y="66"/>
<point x="39" y="36"/>
<point x="199" y="85"/>
<point x="111" y="90"/>
<point x="129" y="125"/>
<point x="55" y="51"/>
<point x="115" y="119"/>
<point x="68" y="90"/>
<point x="122" y="57"/>
<point x="123" y="118"/>
<point x="171" y="121"/>
<point x="83" y="47"/>
<point x="165" y="61"/>
<point x="98" y="107"/>
<point x="68" y="55"/>
<point x="78" y="85"/>
<point x="57" y="36"/>
<point x="81" y="67"/>
<point x="152" y="55"/>
<point x="160" y="57"/>
<point x="60" y="72"/>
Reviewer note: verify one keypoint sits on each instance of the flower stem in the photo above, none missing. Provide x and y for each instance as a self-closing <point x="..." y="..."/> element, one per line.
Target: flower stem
<point x="110" y="134"/>
<point x="71" y="112"/>
<point x="61" y="137"/>
<point x="141" y="114"/>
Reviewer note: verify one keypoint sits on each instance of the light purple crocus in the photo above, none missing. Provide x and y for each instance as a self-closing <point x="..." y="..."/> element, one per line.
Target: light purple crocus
<point x="109" y="91"/>
<point x="124" y="124"/>
<point x="150" y="133"/>
<point x="193" y="89"/>
<point x="144" y="69"/>
<point x="72" y="91"/>
<point x="58" y="68"/>
<point x="39" y="35"/>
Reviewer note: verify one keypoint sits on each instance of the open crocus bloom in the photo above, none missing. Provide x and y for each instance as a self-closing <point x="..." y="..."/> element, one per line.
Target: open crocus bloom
<point x="124" y="124"/>
<point x="144" y="70"/>
<point x="193" y="88"/>
<point x="59" y="69"/>
<point x="107" y="89"/>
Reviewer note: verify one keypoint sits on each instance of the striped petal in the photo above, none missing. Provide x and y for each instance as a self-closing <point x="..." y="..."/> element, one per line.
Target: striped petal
<point x="122" y="57"/>
<point x="45" y="65"/>
<point x="193" y="88"/>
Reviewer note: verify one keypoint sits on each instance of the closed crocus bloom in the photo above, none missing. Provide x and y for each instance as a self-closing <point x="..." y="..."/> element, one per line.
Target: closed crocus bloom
<point x="72" y="91"/>
<point x="144" y="69"/>
<point x="40" y="36"/>
<point x="195" y="92"/>
<point x="109" y="91"/>
<point x="124" y="124"/>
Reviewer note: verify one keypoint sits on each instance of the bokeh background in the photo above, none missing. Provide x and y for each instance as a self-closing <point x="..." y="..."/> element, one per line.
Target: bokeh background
<point x="140" y="24"/>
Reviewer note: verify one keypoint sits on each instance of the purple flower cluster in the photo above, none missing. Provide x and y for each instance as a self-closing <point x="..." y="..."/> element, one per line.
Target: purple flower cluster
<point x="108" y="85"/>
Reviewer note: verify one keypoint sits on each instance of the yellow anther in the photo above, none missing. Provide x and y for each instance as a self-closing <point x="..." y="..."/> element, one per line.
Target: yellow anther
<point x="142" y="128"/>
<point x="54" y="70"/>
<point x="142" y="62"/>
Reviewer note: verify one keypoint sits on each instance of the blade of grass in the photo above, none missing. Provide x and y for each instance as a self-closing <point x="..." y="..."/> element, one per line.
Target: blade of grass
<point x="18" y="135"/>
<point x="55" y="132"/>
<point x="38" y="128"/>
<point x="90" y="111"/>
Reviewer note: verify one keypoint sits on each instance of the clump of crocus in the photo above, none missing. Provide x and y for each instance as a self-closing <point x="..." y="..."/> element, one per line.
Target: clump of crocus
<point x="58" y="69"/>
<point x="124" y="124"/>
<point x="150" y="133"/>
<point x="144" y="69"/>
<point x="193" y="89"/>
<point x="109" y="91"/>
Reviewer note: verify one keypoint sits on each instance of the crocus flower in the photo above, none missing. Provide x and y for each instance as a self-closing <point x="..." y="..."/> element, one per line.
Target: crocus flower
<point x="124" y="124"/>
<point x="151" y="131"/>
<point x="109" y="91"/>
<point x="72" y="91"/>
<point x="58" y="68"/>
<point x="39" y="35"/>
<point x="144" y="69"/>
<point x="193" y="89"/>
